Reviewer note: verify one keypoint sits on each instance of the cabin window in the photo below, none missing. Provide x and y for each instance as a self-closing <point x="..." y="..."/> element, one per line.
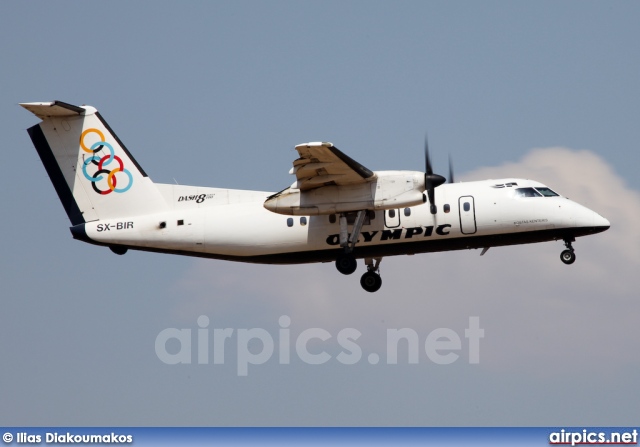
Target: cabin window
<point x="163" y="225"/>
<point x="303" y="221"/>
<point x="407" y="212"/>
<point x="181" y="222"/>
<point x="332" y="218"/>
<point x="547" y="192"/>
<point x="447" y="208"/>
<point x="466" y="206"/>
<point x="527" y="192"/>
<point x="290" y="222"/>
<point x="392" y="213"/>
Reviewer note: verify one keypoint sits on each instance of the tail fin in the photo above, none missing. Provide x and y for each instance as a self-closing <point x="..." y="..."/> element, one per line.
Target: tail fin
<point x="93" y="173"/>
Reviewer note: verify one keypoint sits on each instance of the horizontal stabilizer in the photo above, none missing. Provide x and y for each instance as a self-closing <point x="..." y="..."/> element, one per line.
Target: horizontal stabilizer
<point x="56" y="108"/>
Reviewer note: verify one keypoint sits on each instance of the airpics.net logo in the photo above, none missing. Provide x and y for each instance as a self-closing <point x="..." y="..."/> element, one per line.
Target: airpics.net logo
<point x="257" y="346"/>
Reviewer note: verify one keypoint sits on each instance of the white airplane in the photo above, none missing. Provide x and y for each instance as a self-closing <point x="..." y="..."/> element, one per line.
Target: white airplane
<point x="336" y="210"/>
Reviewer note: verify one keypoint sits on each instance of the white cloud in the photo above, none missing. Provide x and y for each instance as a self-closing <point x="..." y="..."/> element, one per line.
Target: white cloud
<point x="540" y="316"/>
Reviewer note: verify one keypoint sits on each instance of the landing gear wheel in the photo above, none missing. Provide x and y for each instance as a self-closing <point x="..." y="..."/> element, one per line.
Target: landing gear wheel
<point x="371" y="282"/>
<point x="346" y="264"/>
<point x="568" y="257"/>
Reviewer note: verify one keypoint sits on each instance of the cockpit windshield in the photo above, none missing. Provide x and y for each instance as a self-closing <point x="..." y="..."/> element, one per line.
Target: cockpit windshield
<point x="527" y="192"/>
<point x="535" y="192"/>
<point x="547" y="192"/>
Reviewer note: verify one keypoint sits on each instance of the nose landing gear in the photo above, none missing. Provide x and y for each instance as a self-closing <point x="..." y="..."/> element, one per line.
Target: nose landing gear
<point x="568" y="256"/>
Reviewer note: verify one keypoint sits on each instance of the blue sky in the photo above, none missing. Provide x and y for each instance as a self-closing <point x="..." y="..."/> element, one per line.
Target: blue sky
<point x="218" y="94"/>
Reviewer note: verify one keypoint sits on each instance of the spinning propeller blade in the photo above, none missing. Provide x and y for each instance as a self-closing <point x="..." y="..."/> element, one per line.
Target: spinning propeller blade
<point x="431" y="180"/>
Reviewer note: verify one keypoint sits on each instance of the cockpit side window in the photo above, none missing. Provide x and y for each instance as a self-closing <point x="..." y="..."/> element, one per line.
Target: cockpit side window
<point x="527" y="192"/>
<point x="547" y="192"/>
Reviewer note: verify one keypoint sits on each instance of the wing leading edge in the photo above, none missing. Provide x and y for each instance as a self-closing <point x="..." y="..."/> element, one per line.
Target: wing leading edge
<point x="322" y="164"/>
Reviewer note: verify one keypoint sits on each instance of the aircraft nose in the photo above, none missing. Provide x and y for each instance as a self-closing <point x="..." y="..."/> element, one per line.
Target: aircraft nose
<point x="595" y="223"/>
<point x="587" y="220"/>
<point x="600" y="222"/>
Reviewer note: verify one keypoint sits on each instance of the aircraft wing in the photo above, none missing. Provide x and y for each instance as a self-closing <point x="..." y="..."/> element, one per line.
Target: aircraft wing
<point x="323" y="164"/>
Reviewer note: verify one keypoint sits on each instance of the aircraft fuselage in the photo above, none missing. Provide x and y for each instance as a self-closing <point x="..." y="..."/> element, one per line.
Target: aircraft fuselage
<point x="234" y="225"/>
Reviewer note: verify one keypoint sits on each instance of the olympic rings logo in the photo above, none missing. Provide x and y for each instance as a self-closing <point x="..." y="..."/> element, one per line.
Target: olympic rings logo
<point x="100" y="162"/>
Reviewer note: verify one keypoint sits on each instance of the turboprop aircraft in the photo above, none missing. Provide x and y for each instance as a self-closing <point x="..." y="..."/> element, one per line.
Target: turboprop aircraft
<point x="336" y="210"/>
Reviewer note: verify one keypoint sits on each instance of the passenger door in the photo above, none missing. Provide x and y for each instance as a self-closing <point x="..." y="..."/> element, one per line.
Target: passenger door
<point x="392" y="218"/>
<point x="467" y="208"/>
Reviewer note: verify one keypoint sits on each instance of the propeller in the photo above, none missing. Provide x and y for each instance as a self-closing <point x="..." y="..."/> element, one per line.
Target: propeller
<point x="451" y="170"/>
<point x="431" y="180"/>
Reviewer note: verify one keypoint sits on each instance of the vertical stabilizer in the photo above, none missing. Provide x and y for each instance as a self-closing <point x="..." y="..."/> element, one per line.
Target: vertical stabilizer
<point x="92" y="171"/>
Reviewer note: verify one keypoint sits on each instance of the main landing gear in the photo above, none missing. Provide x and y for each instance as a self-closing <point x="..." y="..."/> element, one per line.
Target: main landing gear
<point x="346" y="262"/>
<point x="568" y="256"/>
<point x="371" y="280"/>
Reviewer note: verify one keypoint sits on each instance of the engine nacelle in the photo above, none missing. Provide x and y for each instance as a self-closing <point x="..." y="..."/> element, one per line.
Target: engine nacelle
<point x="387" y="190"/>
